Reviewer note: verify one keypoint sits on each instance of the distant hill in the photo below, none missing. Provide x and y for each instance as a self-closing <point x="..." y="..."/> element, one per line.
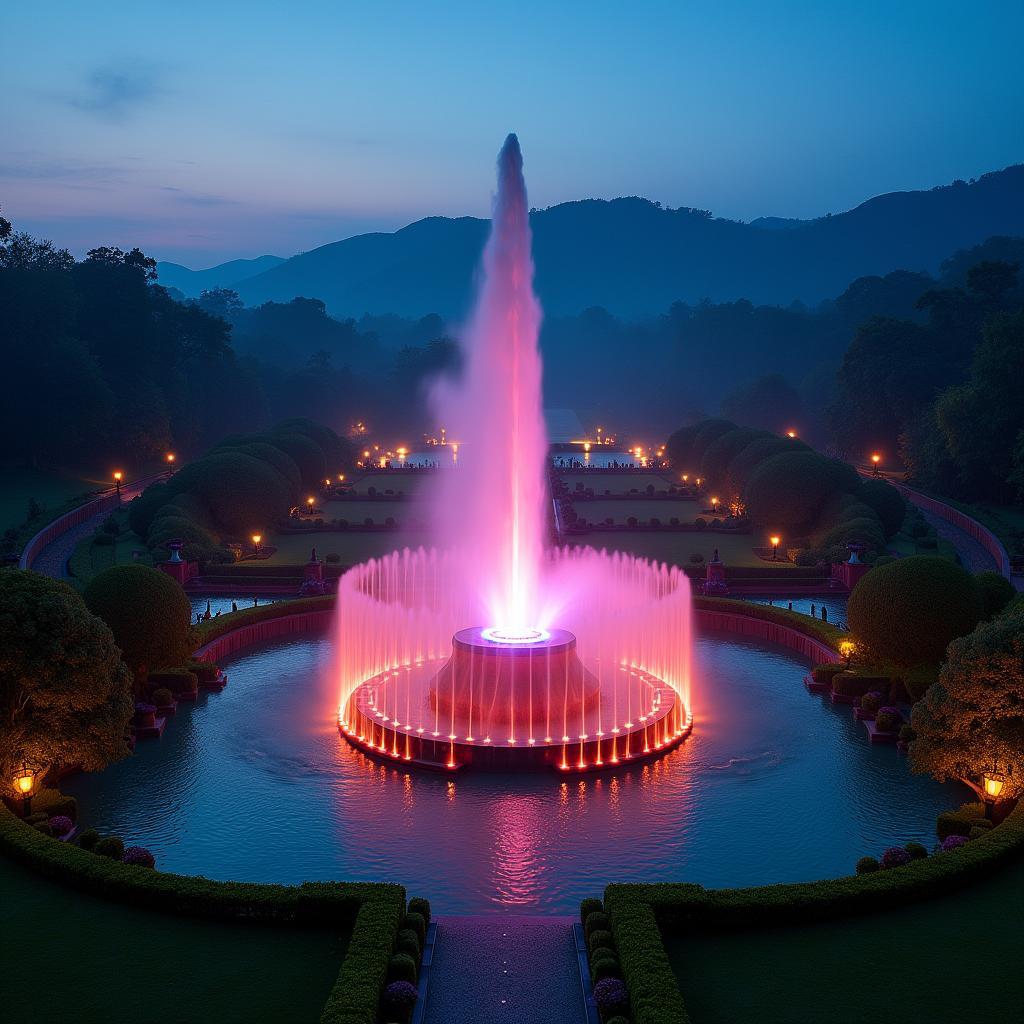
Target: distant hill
<point x="225" y="275"/>
<point x="635" y="258"/>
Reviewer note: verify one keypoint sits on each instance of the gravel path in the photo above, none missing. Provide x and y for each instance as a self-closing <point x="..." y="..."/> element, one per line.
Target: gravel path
<point x="513" y="970"/>
<point x="972" y="554"/>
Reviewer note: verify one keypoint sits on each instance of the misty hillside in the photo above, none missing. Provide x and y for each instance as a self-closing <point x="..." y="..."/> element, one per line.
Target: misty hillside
<point x="635" y="258"/>
<point x="224" y="275"/>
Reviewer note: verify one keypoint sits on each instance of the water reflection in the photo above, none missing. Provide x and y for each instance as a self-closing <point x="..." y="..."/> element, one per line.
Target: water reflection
<point x="254" y="783"/>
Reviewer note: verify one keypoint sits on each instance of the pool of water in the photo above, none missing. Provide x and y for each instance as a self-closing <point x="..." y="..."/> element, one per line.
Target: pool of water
<point x="225" y="605"/>
<point x="255" y="783"/>
<point x="834" y="603"/>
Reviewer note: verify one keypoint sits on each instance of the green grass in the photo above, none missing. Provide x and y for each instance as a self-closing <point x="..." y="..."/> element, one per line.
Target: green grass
<point x="387" y="482"/>
<point x="676" y="548"/>
<point x="643" y="509"/>
<point x="90" y="558"/>
<point x="951" y="959"/>
<point x="52" y="489"/>
<point x="87" y="960"/>
<point x="352" y="546"/>
<point x="357" y="511"/>
<point x="618" y="482"/>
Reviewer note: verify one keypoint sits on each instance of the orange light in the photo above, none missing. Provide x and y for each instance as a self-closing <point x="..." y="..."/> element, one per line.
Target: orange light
<point x="341" y="476"/>
<point x="402" y="451"/>
<point x="993" y="785"/>
<point x="24" y="780"/>
<point x="790" y="433"/>
<point x="686" y="476"/>
<point x="256" y="538"/>
<point x="586" y="446"/>
<point x="775" y="541"/>
<point x="170" y="456"/>
<point x="366" y="454"/>
<point x="118" y="476"/>
<point x="714" y="501"/>
<point x="310" y="502"/>
<point x="876" y="458"/>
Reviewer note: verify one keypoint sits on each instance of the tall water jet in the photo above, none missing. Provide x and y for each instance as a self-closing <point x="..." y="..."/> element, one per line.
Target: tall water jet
<point x="489" y="650"/>
<point x="492" y="509"/>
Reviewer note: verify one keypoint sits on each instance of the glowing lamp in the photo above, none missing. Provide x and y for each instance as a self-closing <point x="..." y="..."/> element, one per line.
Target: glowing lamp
<point x="366" y="454"/>
<point x="311" y="502"/>
<point x="341" y="476"/>
<point x="171" y="457"/>
<point x="586" y="446"/>
<point x="847" y="649"/>
<point x="876" y="458"/>
<point x="257" y="539"/>
<point x="686" y="476"/>
<point x="118" y="477"/>
<point x="714" y="503"/>
<point x="993" y="785"/>
<point x="790" y="433"/>
<point x="24" y="786"/>
<point x="775" y="546"/>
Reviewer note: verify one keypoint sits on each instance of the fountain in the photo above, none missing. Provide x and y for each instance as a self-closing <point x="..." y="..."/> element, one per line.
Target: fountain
<point x="490" y="650"/>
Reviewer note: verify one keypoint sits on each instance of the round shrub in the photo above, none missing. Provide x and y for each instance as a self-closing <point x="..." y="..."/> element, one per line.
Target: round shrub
<point x="305" y="453"/>
<point x="977" y="832"/>
<point x="61" y="824"/>
<point x="996" y="592"/>
<point x="866" y="865"/>
<point x="418" y="924"/>
<point x="143" y="508"/>
<point x="281" y="461"/>
<point x="961" y="821"/>
<point x="888" y="720"/>
<point x="337" y="450"/>
<point x="45" y="827"/>
<point x="598" y="921"/>
<point x="909" y="611"/>
<point x="601" y="938"/>
<point x="402" y="967"/>
<point x="952" y="843"/>
<point x="110" y="846"/>
<point x="421" y="906"/>
<point x="602" y="953"/>
<point x="139" y="856"/>
<point x="147" y="612"/>
<point x="399" y="998"/>
<point x="88" y="839"/>
<point x="916" y="851"/>
<point x="407" y="942"/>
<point x="606" y="967"/>
<point x="742" y="467"/>
<point x="894" y="857"/>
<point x="611" y="996"/>
<point x="847" y="531"/>
<point x="787" y="491"/>
<point x="889" y="505"/>
<point x="871" y="702"/>
<point x="162" y="697"/>
<point x="588" y="907"/>
<point x="722" y="450"/>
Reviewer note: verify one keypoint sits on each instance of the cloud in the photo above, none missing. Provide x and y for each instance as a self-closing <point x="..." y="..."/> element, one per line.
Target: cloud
<point x="116" y="92"/>
<point x="181" y="195"/>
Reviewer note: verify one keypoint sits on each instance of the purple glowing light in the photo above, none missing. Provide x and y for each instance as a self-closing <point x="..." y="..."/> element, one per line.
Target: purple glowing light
<point x="503" y="635"/>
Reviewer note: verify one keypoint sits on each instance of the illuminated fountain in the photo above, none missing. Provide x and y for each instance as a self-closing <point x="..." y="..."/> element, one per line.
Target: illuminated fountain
<point x="491" y="650"/>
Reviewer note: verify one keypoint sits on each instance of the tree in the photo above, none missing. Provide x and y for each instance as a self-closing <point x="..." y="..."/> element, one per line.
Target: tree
<point x="220" y="302"/>
<point x="66" y="694"/>
<point x="996" y="592"/>
<point x="769" y="402"/>
<point x="972" y="720"/>
<point x="147" y="612"/>
<point x="887" y="502"/>
<point x="908" y="611"/>
<point x="787" y="491"/>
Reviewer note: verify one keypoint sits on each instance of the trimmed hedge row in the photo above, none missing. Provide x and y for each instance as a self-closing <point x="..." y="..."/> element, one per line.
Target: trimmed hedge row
<point x="640" y="913"/>
<point x="216" y="627"/>
<point x="824" y="632"/>
<point x="372" y="909"/>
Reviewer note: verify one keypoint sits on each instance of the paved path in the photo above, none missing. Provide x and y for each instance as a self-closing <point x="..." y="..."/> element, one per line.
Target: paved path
<point x="53" y="559"/>
<point x="974" y="556"/>
<point x="512" y="970"/>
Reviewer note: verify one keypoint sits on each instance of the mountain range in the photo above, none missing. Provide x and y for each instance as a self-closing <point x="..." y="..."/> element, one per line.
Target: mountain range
<point x="634" y="257"/>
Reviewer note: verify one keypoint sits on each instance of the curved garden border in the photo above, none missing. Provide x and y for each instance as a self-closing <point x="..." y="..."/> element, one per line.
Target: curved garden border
<point x="59" y="526"/>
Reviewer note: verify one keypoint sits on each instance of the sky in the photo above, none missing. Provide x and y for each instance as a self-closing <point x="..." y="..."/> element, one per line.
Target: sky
<point x="203" y="132"/>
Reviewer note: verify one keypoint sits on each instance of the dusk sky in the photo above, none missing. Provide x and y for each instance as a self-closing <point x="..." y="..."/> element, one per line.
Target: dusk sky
<point x="207" y="131"/>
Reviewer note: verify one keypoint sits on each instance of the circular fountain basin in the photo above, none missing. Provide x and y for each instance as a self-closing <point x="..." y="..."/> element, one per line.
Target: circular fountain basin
<point x="514" y="701"/>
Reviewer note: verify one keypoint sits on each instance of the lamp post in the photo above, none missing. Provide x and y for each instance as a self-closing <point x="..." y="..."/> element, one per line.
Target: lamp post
<point x="775" y="547"/>
<point x="714" y="505"/>
<point x="847" y="649"/>
<point x="310" y="502"/>
<point x="24" y="786"/>
<point x="992" y="784"/>
<point x="791" y="434"/>
<point x="170" y="463"/>
<point x="118" y="476"/>
<point x="876" y="463"/>
<point x="257" y="539"/>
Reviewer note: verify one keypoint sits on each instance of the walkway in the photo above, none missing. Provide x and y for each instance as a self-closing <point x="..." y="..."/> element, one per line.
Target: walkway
<point x="53" y="559"/>
<point x="505" y="970"/>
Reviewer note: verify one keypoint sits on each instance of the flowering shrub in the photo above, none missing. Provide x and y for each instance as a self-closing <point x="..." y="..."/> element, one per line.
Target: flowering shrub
<point x="953" y="843"/>
<point x="888" y="719"/>
<point x="894" y="857"/>
<point x="140" y="856"/>
<point x="610" y="995"/>
<point x="400" y="997"/>
<point x="61" y="824"/>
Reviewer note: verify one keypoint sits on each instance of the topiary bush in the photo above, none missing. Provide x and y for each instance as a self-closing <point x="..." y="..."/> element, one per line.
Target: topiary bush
<point x="871" y="702"/>
<point x="597" y="921"/>
<point x="894" y="857"/>
<point x="588" y="907"/>
<point x="961" y="821"/>
<point x="826" y="673"/>
<point x="787" y="491"/>
<point x="399" y="999"/>
<point x="162" y="697"/>
<point x="611" y="996"/>
<point x="888" y="720"/>
<point x="139" y="856"/>
<point x="421" y="906"/>
<point x="996" y="592"/>
<point x="600" y="938"/>
<point x="88" y="839"/>
<point x="110" y="846"/>
<point x="909" y="611"/>
<point x="916" y="851"/>
<point x="889" y="505"/>
<point x="606" y="967"/>
<point x="867" y="864"/>
<point x="402" y="967"/>
<point x="417" y="923"/>
<point x="147" y="612"/>
<point x="953" y="842"/>
<point x="408" y="942"/>
<point x="43" y="826"/>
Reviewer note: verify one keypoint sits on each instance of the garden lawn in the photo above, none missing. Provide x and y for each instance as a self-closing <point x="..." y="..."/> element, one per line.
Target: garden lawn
<point x="86" y="960"/>
<point x="409" y="482"/>
<point x="642" y="509"/>
<point x="944" y="961"/>
<point x="617" y="482"/>
<point x="357" y="511"/>
<point x="351" y="545"/>
<point x="51" y="488"/>
<point x="90" y="557"/>
<point x="676" y="548"/>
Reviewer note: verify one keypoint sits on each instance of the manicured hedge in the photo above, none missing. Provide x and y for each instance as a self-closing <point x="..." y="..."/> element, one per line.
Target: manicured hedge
<point x="372" y="909"/>
<point x="823" y="631"/>
<point x="216" y="627"/>
<point x="641" y="913"/>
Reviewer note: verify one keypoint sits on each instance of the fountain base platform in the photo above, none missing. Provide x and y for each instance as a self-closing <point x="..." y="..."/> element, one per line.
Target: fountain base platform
<point x="514" y="702"/>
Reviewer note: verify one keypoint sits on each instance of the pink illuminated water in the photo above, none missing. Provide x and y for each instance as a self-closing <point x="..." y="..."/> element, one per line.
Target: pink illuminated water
<point x="492" y="508"/>
<point x="402" y="692"/>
